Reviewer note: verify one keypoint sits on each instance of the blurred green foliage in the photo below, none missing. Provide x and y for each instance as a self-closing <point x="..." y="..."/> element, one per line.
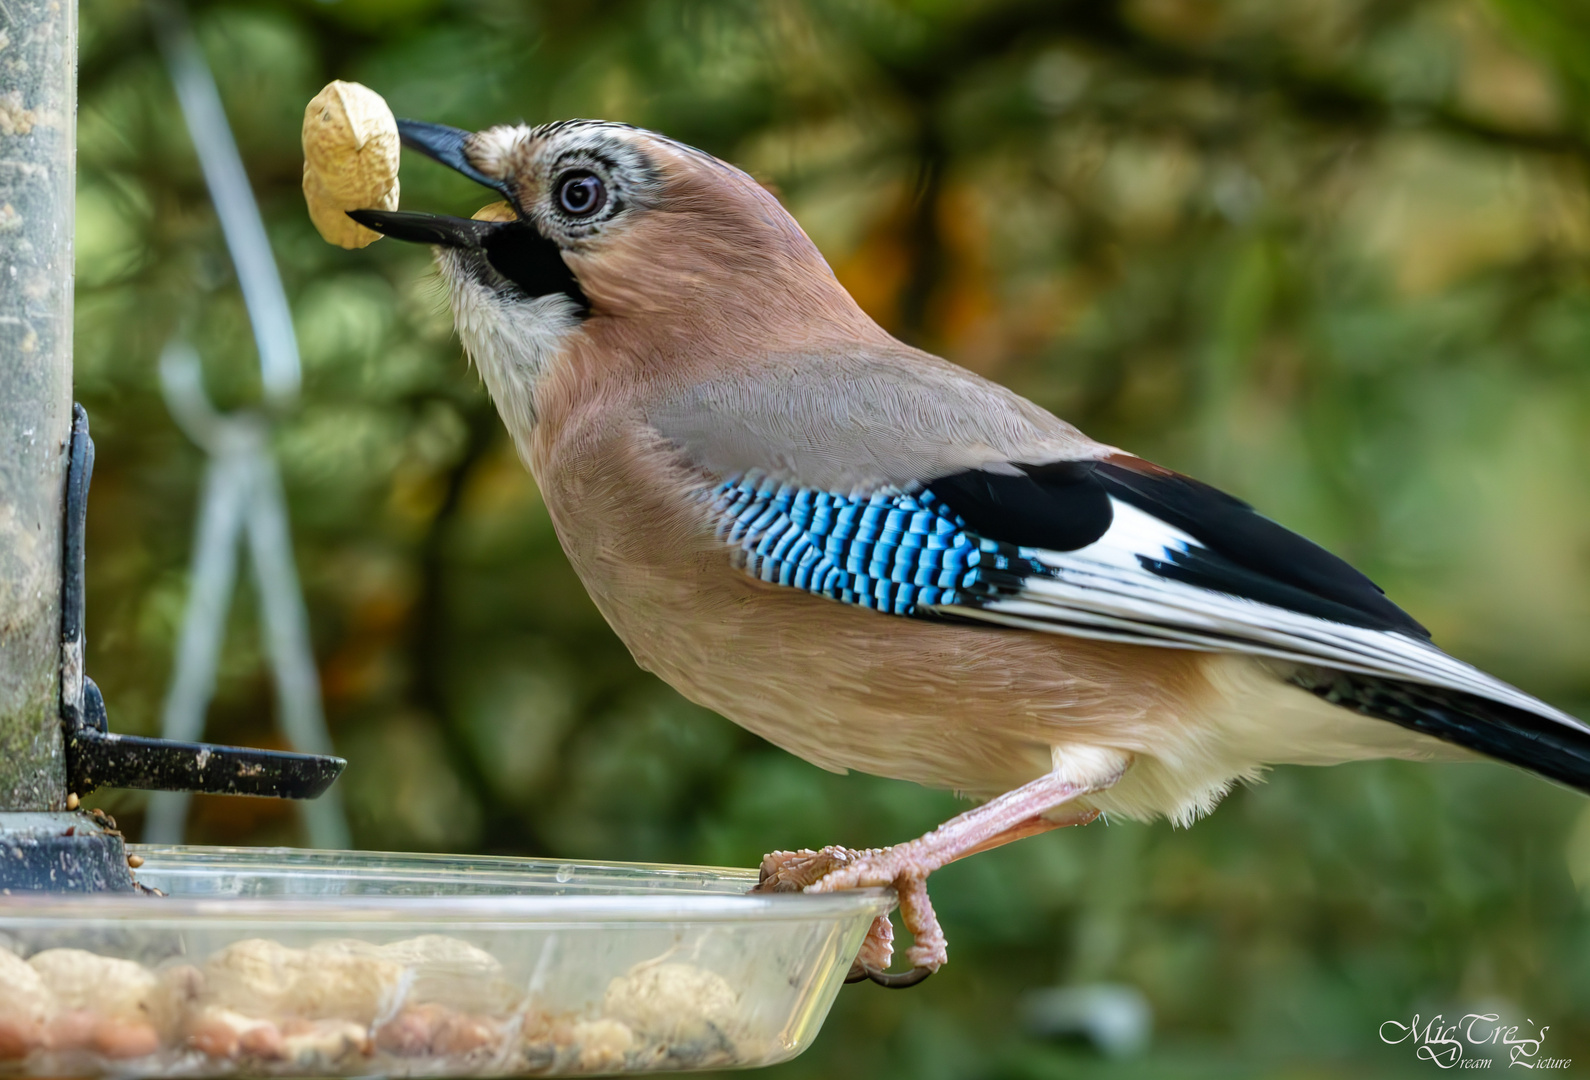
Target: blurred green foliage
<point x="1329" y="254"/>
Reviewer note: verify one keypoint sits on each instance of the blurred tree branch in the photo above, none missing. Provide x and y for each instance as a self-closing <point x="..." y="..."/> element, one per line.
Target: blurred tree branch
<point x="431" y="640"/>
<point x="1324" y="99"/>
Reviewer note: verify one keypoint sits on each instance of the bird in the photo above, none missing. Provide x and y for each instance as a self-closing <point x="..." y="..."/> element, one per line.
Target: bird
<point x="881" y="561"/>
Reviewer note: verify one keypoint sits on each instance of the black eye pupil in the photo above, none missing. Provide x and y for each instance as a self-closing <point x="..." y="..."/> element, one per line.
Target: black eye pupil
<point x="581" y="193"/>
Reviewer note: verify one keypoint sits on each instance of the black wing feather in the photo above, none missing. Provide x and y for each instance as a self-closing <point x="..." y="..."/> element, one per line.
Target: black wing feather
<point x="1257" y="548"/>
<point x="1065" y="506"/>
<point x="1521" y="738"/>
<point x="1061" y="507"/>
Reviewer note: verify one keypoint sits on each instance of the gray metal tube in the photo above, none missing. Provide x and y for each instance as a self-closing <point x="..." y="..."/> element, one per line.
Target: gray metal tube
<point x="38" y="114"/>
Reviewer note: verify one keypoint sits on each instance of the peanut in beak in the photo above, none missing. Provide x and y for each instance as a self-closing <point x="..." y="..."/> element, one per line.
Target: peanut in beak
<point x="350" y="161"/>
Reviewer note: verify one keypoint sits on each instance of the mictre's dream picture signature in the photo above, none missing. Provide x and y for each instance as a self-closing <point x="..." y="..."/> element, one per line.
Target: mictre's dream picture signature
<point x="1445" y="1043"/>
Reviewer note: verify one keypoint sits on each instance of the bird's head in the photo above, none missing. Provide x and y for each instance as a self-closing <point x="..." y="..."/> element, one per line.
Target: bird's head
<point x="616" y="238"/>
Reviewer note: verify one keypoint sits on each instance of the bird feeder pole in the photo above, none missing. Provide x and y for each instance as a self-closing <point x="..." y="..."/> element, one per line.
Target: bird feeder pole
<point x="38" y="115"/>
<point x="54" y="734"/>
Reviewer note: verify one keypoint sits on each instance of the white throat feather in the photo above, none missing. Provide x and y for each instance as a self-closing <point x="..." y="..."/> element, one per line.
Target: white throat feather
<point x="512" y="339"/>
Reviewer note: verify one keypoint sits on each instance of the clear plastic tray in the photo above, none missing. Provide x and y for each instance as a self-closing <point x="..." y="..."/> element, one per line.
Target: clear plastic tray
<point x="283" y="962"/>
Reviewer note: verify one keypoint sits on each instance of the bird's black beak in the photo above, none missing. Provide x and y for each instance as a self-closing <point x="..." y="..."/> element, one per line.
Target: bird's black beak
<point x="420" y="228"/>
<point x="446" y="145"/>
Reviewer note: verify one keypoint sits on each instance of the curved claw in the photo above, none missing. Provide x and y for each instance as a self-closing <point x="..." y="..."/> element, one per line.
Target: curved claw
<point x="893" y="980"/>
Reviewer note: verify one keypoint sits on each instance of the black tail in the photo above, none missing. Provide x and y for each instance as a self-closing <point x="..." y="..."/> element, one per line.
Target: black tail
<point x="1504" y="732"/>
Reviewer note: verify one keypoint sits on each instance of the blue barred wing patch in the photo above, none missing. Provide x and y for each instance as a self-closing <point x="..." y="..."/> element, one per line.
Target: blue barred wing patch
<point x="893" y="552"/>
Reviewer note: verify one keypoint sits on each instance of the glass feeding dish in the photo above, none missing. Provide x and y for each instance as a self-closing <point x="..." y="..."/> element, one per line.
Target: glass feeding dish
<point x="327" y="963"/>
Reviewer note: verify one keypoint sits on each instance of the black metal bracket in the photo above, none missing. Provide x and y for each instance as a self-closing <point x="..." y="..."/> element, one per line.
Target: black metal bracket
<point x="97" y="758"/>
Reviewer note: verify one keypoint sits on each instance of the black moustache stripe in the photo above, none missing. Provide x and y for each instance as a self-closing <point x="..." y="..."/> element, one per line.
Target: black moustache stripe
<point x="515" y="249"/>
<point x="532" y="262"/>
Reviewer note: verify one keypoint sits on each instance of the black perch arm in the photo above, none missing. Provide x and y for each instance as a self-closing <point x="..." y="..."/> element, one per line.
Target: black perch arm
<point x="97" y="758"/>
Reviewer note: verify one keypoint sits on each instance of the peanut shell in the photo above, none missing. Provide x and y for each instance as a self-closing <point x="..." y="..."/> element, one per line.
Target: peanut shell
<point x="350" y="160"/>
<point x="454" y="973"/>
<point x="25" y="998"/>
<point x="675" y="1003"/>
<point x="497" y="211"/>
<point x="103" y="985"/>
<point x="330" y="980"/>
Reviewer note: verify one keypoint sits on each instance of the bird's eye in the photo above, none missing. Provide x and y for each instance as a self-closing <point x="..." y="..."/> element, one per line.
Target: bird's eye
<point x="581" y="193"/>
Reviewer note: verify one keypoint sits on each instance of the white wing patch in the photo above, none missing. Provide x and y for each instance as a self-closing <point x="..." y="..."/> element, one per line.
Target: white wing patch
<point x="1104" y="591"/>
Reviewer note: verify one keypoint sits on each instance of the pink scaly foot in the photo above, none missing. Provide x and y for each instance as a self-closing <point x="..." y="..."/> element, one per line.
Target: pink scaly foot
<point x="799" y="871"/>
<point x="796" y="871"/>
<point x="876" y="952"/>
<point x="1026" y="811"/>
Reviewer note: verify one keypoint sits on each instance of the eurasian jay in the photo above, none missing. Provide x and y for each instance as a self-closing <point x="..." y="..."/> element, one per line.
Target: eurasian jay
<point x="878" y="560"/>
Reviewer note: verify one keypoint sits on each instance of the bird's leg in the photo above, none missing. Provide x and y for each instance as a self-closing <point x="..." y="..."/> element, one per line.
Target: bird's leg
<point x="1030" y="827"/>
<point x="877" y="950"/>
<point x="907" y="866"/>
<point x="1025" y="811"/>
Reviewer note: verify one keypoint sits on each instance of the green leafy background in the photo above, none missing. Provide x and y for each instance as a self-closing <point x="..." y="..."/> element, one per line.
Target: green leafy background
<point x="1328" y="254"/>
